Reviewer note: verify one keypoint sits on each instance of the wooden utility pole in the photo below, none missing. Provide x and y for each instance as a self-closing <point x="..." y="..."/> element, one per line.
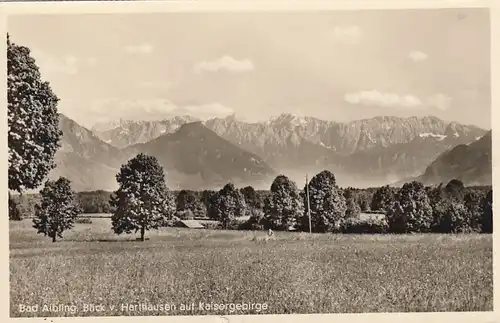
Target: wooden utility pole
<point x="308" y="204"/>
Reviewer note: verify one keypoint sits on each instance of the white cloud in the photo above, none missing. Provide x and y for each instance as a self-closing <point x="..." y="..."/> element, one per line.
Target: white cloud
<point x="144" y="48"/>
<point x="50" y="64"/>
<point x="380" y="99"/>
<point x="153" y="109"/>
<point x="349" y="34"/>
<point x="226" y="63"/>
<point x="376" y="98"/>
<point x="417" y="56"/>
<point x="439" y="101"/>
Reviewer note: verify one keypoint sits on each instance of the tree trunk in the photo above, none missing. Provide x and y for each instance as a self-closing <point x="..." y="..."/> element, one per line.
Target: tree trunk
<point x="54" y="238"/>
<point x="142" y="233"/>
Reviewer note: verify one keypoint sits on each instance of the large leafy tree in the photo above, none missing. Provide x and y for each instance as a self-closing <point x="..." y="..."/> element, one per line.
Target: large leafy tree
<point x="411" y="211"/>
<point x="226" y="205"/>
<point x="283" y="207"/>
<point x="57" y="210"/>
<point x="33" y="121"/>
<point x="327" y="204"/>
<point x="252" y="198"/>
<point x="142" y="201"/>
<point x="455" y="218"/>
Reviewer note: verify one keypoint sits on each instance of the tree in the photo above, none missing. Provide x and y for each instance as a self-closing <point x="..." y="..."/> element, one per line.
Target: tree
<point x="33" y="121"/>
<point x="382" y="198"/>
<point x="455" y="190"/>
<point x="283" y="207"/>
<point x="206" y="196"/>
<point x="411" y="211"/>
<point x="455" y="218"/>
<point x="439" y="214"/>
<point x="472" y="202"/>
<point x="142" y="201"/>
<point x="439" y="202"/>
<point x="226" y="205"/>
<point x="14" y="213"/>
<point x="435" y="193"/>
<point x="252" y="199"/>
<point x="188" y="203"/>
<point x="57" y="210"/>
<point x="328" y="205"/>
<point x="352" y="207"/>
<point x="487" y="207"/>
<point x="364" y="200"/>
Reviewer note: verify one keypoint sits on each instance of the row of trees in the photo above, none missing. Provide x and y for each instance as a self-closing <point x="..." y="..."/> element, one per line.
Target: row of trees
<point x="143" y="202"/>
<point x="413" y="208"/>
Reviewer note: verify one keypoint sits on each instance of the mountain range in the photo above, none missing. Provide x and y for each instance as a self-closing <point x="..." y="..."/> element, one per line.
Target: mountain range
<point x="207" y="154"/>
<point x="364" y="152"/>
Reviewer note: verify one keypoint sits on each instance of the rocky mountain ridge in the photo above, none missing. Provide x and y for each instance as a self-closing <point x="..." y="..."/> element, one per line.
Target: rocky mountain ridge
<point x="362" y="152"/>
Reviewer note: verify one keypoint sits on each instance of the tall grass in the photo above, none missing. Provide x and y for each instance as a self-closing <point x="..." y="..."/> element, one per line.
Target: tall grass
<point x="292" y="273"/>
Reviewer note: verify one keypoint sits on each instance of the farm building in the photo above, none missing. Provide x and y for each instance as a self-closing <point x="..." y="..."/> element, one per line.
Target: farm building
<point x="191" y="224"/>
<point x="371" y="216"/>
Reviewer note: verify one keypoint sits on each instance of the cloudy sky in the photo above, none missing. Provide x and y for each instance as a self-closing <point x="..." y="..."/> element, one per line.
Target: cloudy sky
<point x="336" y="65"/>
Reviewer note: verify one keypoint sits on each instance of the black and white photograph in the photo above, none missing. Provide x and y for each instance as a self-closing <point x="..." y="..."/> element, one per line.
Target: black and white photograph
<point x="249" y="162"/>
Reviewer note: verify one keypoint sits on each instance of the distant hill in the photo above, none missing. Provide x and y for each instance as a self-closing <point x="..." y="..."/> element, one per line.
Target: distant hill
<point x="195" y="157"/>
<point x="86" y="160"/>
<point x="469" y="163"/>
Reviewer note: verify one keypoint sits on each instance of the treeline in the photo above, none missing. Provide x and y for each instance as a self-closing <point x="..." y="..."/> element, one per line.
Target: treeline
<point x="194" y="204"/>
<point x="143" y="202"/>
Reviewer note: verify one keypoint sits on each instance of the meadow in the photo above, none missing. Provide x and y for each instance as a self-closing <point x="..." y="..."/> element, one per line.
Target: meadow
<point x="291" y="273"/>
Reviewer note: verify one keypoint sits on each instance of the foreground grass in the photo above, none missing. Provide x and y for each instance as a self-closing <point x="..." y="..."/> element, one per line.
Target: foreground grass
<point x="295" y="273"/>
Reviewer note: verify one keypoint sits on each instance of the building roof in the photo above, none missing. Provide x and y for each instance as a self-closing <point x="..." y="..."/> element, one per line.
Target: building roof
<point x="193" y="224"/>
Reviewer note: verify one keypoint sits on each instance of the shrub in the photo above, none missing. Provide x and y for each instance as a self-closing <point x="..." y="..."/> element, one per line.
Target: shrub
<point x="370" y="226"/>
<point x="83" y="220"/>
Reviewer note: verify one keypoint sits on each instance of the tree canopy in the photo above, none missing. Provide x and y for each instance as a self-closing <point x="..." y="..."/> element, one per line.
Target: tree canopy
<point x="57" y="210"/>
<point x="327" y="204"/>
<point x="142" y="201"/>
<point x="283" y="207"/>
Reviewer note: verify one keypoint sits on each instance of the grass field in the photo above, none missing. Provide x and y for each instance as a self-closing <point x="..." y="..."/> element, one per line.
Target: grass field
<point x="294" y="273"/>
